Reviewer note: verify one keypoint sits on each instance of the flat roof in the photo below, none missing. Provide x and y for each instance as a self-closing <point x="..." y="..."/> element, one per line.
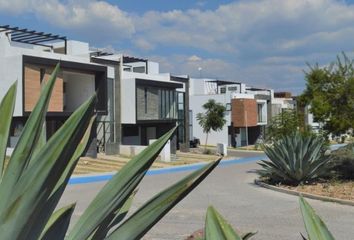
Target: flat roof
<point x="223" y="82"/>
<point x="24" y="35"/>
<point x="126" y="59"/>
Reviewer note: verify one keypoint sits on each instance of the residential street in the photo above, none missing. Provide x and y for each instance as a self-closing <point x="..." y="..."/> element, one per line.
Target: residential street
<point x="231" y="190"/>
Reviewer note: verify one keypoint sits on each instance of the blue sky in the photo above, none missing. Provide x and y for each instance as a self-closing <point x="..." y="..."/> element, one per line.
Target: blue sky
<point x="265" y="43"/>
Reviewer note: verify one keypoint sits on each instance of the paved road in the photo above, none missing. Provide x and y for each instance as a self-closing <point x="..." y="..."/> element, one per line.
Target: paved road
<point x="231" y="190"/>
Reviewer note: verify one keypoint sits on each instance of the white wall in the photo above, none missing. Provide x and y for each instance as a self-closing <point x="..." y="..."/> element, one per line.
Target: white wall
<point x="196" y="86"/>
<point x="128" y="106"/>
<point x="79" y="88"/>
<point x="162" y="77"/>
<point x="153" y="68"/>
<point x="77" y="48"/>
<point x="196" y="103"/>
<point x="10" y="71"/>
<point x="11" y="65"/>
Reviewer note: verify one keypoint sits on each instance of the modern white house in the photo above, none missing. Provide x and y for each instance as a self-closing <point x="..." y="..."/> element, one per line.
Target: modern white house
<point x="29" y="58"/>
<point x="248" y="110"/>
<point x="143" y="104"/>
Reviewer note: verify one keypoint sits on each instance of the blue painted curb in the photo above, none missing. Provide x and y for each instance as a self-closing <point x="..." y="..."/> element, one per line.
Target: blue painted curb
<point x="106" y="177"/>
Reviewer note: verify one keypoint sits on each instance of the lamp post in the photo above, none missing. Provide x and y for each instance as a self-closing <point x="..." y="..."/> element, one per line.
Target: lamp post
<point x="200" y="71"/>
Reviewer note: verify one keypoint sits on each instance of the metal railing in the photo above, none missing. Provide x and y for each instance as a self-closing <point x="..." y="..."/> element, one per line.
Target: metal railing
<point x="104" y="134"/>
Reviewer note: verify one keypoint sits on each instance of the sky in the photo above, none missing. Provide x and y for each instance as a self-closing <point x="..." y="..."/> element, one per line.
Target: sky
<point x="264" y="43"/>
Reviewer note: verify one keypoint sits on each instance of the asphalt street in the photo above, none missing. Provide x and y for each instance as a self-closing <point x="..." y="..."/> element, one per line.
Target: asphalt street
<point x="231" y="190"/>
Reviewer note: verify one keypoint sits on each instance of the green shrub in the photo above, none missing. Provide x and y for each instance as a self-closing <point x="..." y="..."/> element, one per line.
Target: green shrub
<point x="342" y="162"/>
<point x="294" y="159"/>
<point x="37" y="173"/>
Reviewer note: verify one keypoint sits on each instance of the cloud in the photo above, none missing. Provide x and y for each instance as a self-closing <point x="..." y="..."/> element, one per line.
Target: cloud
<point x="194" y="58"/>
<point x="256" y="41"/>
<point x="143" y="44"/>
<point x="96" y="20"/>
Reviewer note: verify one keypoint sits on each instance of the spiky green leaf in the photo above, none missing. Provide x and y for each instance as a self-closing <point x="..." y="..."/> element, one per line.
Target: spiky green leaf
<point x="315" y="227"/>
<point x="153" y="210"/>
<point x="117" y="190"/>
<point x="58" y="224"/>
<point x="26" y="144"/>
<point x="7" y="106"/>
<point x="216" y="227"/>
<point x="114" y="219"/>
<point x="38" y="181"/>
<point x="36" y="227"/>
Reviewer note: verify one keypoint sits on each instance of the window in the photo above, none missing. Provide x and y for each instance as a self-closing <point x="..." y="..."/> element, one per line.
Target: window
<point x="260" y="113"/>
<point x="139" y="69"/>
<point x="223" y="90"/>
<point x="233" y="89"/>
<point x="167" y="104"/>
<point x="228" y="106"/>
<point x="130" y="131"/>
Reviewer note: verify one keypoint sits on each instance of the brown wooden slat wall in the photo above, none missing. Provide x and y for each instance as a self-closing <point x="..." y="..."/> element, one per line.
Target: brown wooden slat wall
<point x="32" y="89"/>
<point x="238" y="112"/>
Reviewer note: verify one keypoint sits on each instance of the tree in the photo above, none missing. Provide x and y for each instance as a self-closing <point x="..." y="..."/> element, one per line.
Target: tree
<point x="283" y="124"/>
<point x="330" y="93"/>
<point x="213" y="118"/>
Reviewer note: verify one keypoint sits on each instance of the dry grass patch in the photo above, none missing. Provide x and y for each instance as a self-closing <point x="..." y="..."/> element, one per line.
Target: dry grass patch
<point x="335" y="189"/>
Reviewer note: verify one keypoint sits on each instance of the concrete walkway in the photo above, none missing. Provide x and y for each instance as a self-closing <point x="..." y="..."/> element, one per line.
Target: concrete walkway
<point x="231" y="190"/>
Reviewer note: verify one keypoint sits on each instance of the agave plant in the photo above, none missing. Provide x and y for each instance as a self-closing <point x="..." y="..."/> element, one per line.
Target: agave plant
<point x="295" y="159"/>
<point x="37" y="173"/>
<point x="216" y="227"/>
<point x="316" y="229"/>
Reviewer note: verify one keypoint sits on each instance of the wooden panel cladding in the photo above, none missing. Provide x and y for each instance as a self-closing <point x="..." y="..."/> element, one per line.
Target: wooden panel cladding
<point x="244" y="112"/>
<point x="32" y="88"/>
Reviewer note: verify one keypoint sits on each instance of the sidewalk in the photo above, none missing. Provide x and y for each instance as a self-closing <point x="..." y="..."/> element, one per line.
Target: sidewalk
<point x="105" y="163"/>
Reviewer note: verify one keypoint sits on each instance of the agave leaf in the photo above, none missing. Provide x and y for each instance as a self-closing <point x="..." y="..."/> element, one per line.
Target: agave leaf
<point x="114" y="219"/>
<point x="315" y="227"/>
<point x="216" y="227"/>
<point x="41" y="140"/>
<point x="36" y="227"/>
<point x="7" y="106"/>
<point x="26" y="144"/>
<point x="153" y="210"/>
<point x="247" y="236"/>
<point x="58" y="224"/>
<point x="43" y="136"/>
<point x="38" y="181"/>
<point x="114" y="194"/>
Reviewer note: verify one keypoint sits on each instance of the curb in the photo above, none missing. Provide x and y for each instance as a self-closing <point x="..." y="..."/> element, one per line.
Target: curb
<point x="307" y="195"/>
<point x="82" y="179"/>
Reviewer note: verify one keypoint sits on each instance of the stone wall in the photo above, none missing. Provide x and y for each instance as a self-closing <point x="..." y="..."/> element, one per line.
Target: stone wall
<point x="147" y="106"/>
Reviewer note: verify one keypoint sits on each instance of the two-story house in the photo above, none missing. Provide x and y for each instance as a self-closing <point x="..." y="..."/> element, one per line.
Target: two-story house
<point x="143" y="105"/>
<point x="29" y="58"/>
<point x="247" y="110"/>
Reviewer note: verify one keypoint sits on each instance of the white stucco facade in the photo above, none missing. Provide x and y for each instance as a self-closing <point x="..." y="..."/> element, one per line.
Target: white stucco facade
<point x="195" y="105"/>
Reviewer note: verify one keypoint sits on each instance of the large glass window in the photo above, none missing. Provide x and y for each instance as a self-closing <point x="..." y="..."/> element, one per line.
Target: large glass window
<point x="167" y="104"/>
<point x="260" y="116"/>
